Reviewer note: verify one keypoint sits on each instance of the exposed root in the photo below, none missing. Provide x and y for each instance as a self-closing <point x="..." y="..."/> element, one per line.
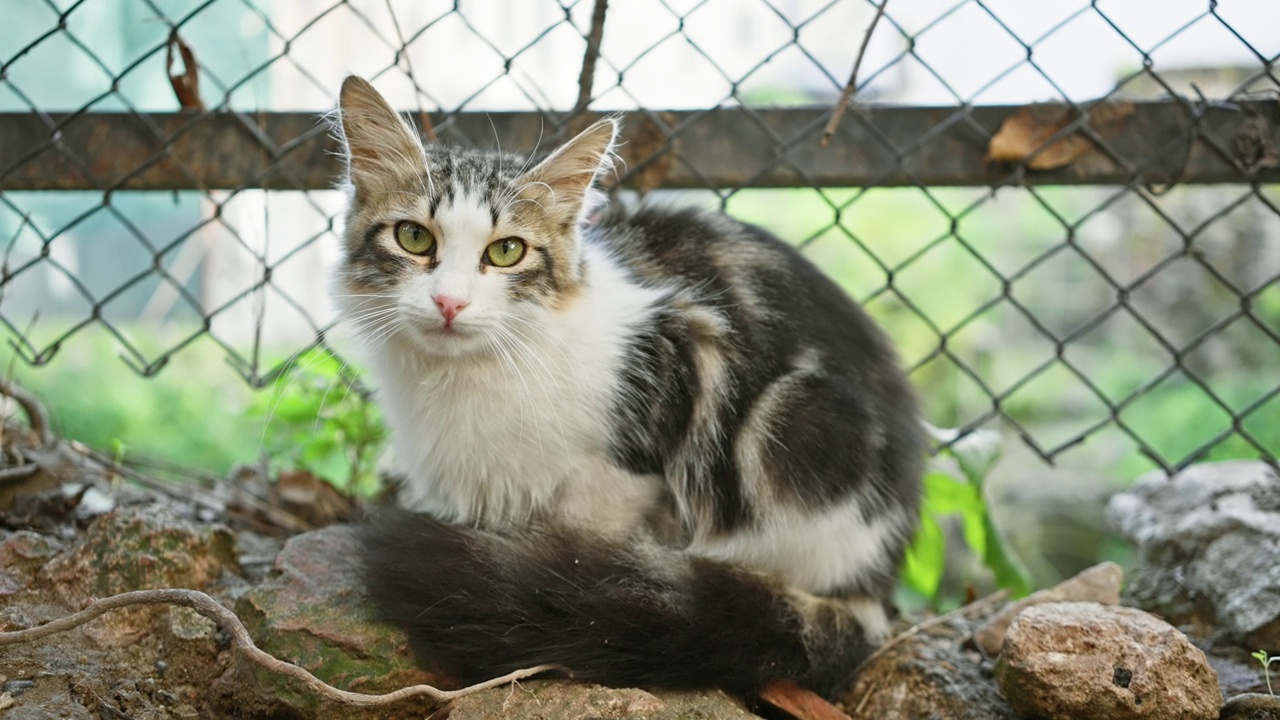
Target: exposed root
<point x="229" y="623"/>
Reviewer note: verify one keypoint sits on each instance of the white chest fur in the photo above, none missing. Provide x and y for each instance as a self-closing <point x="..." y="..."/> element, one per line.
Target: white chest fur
<point x="496" y="437"/>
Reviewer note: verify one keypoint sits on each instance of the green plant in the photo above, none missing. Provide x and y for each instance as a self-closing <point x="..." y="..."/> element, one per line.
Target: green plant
<point x="959" y="491"/>
<point x="1266" y="661"/>
<point x="317" y="418"/>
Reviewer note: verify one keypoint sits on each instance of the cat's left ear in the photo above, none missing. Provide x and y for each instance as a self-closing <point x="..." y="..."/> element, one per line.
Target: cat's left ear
<point x="565" y="180"/>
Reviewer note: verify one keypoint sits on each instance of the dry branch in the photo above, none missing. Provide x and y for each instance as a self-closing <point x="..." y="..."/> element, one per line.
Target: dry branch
<point x="587" y="78"/>
<point x="229" y="623"/>
<point x="847" y="94"/>
<point x="428" y="128"/>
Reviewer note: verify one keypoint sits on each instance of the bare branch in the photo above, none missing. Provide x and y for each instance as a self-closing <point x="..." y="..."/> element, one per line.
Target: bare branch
<point x="587" y="78"/>
<point x="849" y="87"/>
<point x="228" y="622"/>
<point x="428" y="128"/>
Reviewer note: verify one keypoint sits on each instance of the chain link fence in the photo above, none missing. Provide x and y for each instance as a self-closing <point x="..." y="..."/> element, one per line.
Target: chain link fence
<point x="1064" y="212"/>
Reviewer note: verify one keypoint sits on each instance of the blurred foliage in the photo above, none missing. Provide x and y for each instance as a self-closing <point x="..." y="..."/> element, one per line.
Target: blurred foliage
<point x="317" y="418"/>
<point x="957" y="488"/>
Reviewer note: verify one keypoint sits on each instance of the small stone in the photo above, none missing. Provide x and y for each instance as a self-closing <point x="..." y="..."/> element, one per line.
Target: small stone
<point x="15" y="688"/>
<point x="1251" y="706"/>
<point x="1085" y="659"/>
<point x="1100" y="583"/>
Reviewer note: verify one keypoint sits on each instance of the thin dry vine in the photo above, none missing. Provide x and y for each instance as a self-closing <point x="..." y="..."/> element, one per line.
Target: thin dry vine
<point x="229" y="623"/>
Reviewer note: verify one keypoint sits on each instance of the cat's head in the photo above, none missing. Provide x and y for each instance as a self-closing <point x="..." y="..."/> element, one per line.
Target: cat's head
<point x="457" y="250"/>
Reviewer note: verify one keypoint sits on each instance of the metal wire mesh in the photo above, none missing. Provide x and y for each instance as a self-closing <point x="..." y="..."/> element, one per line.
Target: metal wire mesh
<point x="163" y="175"/>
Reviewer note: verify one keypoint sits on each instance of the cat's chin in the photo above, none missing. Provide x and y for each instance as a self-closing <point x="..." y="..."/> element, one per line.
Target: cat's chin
<point x="456" y="342"/>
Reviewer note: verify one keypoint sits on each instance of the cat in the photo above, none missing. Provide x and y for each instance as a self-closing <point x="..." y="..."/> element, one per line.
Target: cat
<point x="654" y="446"/>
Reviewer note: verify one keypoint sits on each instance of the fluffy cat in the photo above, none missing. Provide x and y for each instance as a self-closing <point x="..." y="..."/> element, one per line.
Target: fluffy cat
<point x="654" y="446"/>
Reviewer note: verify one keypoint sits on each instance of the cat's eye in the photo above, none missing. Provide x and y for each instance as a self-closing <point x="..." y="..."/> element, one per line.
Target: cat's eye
<point x="415" y="239"/>
<point x="505" y="252"/>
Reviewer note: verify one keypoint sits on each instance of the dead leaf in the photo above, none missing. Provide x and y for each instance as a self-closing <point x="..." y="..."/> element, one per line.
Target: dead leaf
<point x="801" y="703"/>
<point x="187" y="84"/>
<point x="1024" y="134"/>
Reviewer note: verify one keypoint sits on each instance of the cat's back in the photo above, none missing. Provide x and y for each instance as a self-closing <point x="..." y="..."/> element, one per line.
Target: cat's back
<point x="774" y="298"/>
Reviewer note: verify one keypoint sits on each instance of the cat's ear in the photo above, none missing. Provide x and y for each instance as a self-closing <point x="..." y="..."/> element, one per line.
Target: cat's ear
<point x="380" y="146"/>
<point x="565" y="179"/>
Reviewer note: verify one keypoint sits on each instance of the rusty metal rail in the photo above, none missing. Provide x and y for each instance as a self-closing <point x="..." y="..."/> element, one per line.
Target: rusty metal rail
<point x="1155" y="143"/>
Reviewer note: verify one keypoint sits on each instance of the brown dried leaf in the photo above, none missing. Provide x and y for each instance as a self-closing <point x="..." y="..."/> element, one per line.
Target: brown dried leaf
<point x="187" y="84"/>
<point x="800" y="703"/>
<point x="1023" y="135"/>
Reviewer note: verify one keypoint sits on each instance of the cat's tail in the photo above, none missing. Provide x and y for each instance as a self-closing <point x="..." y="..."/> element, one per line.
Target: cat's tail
<point x="478" y="605"/>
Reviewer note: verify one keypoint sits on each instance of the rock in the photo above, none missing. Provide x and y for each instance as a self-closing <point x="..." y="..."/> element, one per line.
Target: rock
<point x="544" y="700"/>
<point x="1084" y="659"/>
<point x="1251" y="706"/>
<point x="1208" y="539"/>
<point x="134" y="549"/>
<point x="1100" y="583"/>
<point x="21" y="555"/>
<point x="932" y="673"/>
<point x="314" y="614"/>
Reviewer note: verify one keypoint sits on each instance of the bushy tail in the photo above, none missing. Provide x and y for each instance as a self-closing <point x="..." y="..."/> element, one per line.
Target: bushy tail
<point x="478" y="604"/>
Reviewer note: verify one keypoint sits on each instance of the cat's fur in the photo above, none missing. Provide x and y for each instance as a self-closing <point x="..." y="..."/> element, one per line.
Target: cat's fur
<point x="662" y="449"/>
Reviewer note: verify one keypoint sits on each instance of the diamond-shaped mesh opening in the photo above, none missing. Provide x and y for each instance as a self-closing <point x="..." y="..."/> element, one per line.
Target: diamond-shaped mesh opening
<point x="1077" y="408"/>
<point x="1117" y="333"/>
<point x="1126" y="301"/>
<point x="1182" y="300"/>
<point x="1197" y="419"/>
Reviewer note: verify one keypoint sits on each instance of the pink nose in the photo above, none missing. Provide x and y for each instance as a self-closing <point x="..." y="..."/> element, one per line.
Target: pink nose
<point x="449" y="307"/>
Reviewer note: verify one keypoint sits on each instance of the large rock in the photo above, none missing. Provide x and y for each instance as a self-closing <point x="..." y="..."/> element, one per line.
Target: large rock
<point x="314" y="614"/>
<point x="541" y="700"/>
<point x="1087" y="660"/>
<point x="1209" y="543"/>
<point x="137" y="549"/>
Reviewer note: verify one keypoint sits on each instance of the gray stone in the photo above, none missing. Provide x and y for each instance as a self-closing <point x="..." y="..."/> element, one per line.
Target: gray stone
<point x="1251" y="706"/>
<point x="1209" y="543"/>
<point x="1087" y="660"/>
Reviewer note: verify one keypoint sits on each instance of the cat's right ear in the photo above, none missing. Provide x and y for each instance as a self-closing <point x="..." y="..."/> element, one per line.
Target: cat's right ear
<point x="381" y="148"/>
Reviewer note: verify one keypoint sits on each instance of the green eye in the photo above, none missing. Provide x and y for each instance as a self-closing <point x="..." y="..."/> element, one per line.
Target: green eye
<point x="505" y="252"/>
<point x="415" y="239"/>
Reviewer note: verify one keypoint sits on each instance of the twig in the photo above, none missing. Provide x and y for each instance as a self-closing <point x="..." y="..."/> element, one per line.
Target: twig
<point x="587" y="78"/>
<point x="36" y="414"/>
<point x="428" y="128"/>
<point x="228" y="622"/>
<point x="847" y="94"/>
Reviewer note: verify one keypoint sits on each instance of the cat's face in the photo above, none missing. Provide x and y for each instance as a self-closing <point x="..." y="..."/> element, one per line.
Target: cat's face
<point x="457" y="251"/>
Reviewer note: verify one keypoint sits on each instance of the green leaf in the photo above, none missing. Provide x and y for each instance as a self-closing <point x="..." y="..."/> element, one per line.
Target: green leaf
<point x="1006" y="567"/>
<point x="925" y="560"/>
<point x="944" y="495"/>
